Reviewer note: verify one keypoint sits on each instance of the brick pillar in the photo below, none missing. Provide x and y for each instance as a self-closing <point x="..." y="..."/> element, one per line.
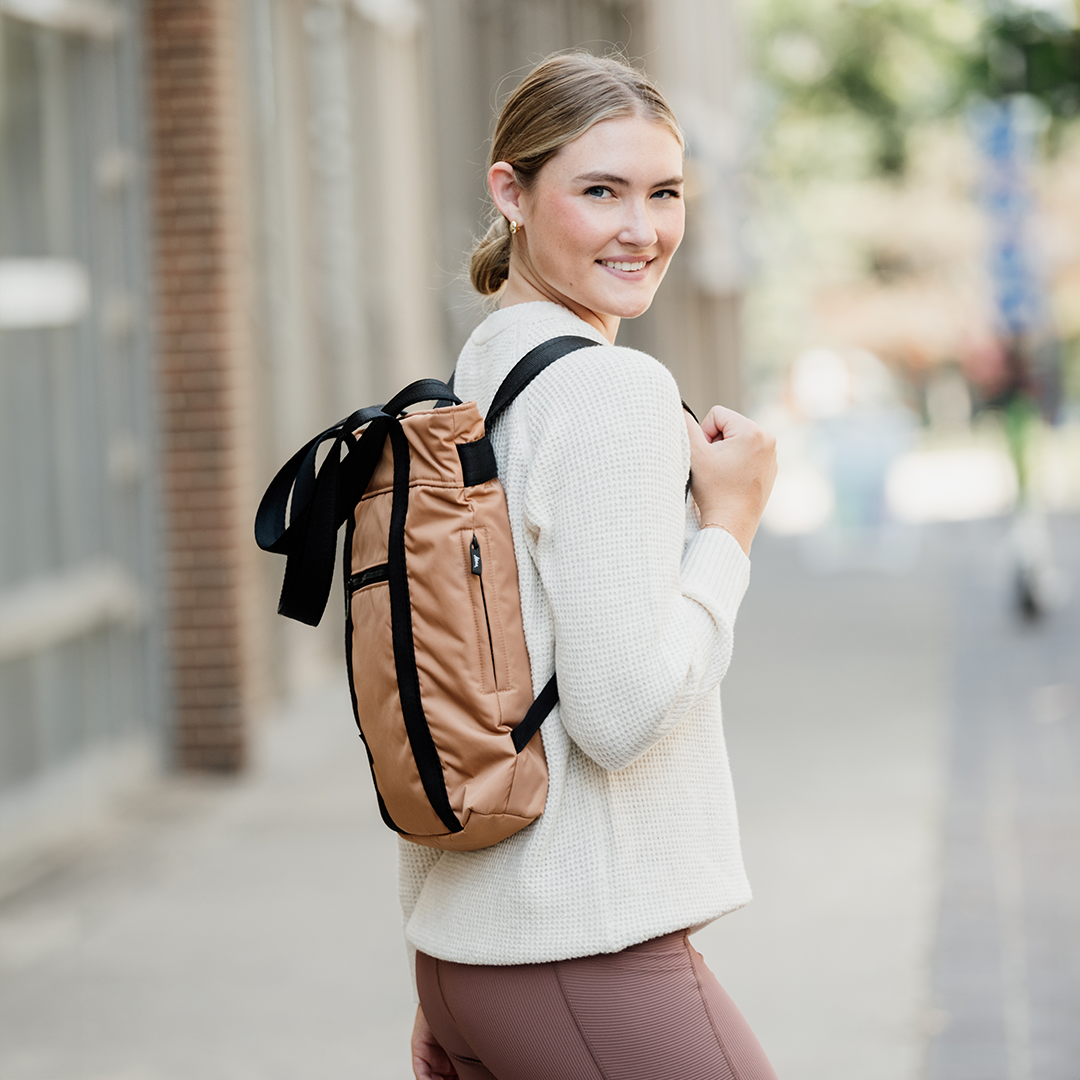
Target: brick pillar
<point x="202" y="365"/>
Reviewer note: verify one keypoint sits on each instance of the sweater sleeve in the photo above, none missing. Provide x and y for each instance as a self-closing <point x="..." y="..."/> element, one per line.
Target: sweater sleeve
<point x="643" y="618"/>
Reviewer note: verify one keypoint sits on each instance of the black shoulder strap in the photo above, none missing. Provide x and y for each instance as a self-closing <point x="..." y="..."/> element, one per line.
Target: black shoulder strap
<point x="528" y="367"/>
<point x="537" y="714"/>
<point x="523" y="373"/>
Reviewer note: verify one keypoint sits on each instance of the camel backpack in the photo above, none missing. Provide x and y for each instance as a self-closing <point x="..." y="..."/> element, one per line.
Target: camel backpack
<point x="434" y="640"/>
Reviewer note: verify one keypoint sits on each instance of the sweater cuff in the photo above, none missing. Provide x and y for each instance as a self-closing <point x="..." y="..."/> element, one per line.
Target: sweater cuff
<point x="716" y="571"/>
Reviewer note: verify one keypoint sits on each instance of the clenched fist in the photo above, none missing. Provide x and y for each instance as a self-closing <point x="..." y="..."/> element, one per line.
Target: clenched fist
<point x="732" y="469"/>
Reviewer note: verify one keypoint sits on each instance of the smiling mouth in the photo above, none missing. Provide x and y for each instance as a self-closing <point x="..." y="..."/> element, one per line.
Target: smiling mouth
<point x="627" y="266"/>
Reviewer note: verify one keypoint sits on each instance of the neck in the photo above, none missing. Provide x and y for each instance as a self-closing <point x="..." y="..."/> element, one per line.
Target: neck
<point x="524" y="288"/>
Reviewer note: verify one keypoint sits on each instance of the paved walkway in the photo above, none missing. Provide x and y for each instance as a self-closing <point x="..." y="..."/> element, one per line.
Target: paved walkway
<point x="835" y="711"/>
<point x="249" y="930"/>
<point x="220" y="931"/>
<point x="1007" y="978"/>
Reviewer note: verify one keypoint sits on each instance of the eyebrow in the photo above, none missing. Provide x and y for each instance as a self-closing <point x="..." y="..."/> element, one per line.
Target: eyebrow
<point x="610" y="178"/>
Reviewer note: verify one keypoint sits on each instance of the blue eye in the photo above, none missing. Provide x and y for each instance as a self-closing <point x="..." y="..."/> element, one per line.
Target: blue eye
<point x="598" y="190"/>
<point x="667" y="193"/>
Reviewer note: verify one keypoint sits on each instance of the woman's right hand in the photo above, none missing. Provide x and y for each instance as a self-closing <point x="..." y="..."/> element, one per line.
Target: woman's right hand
<point x="429" y="1060"/>
<point x="732" y="469"/>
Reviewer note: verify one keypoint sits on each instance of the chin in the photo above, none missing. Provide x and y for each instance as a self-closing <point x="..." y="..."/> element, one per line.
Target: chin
<point x="632" y="310"/>
<point x="622" y="305"/>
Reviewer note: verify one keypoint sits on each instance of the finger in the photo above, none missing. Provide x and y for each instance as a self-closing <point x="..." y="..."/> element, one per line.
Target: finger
<point x="721" y="423"/>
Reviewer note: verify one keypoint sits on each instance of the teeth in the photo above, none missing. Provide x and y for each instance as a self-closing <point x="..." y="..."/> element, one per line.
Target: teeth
<point x="624" y="265"/>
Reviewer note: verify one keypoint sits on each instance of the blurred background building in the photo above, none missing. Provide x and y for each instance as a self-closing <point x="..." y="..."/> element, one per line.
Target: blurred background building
<point x="82" y="602"/>
<point x="223" y="225"/>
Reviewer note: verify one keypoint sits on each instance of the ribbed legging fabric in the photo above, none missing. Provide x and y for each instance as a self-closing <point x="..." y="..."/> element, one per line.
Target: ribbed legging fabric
<point x="651" y="1012"/>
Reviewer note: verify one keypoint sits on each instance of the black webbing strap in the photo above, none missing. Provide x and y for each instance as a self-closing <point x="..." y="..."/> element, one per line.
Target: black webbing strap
<point x="425" y="753"/>
<point x="478" y="464"/>
<point x="528" y="367"/>
<point x="537" y="714"/>
<point x="688" y="477"/>
<point x="322" y="499"/>
<point x="443" y="402"/>
<point x="421" y="390"/>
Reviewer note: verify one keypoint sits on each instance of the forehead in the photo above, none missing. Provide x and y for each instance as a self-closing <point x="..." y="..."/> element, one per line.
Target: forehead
<point x="631" y="146"/>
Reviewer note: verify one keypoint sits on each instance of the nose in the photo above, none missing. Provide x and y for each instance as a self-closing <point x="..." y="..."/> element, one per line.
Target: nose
<point x="638" y="230"/>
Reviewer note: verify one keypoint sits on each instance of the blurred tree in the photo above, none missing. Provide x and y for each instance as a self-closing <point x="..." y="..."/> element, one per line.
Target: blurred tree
<point x="876" y="68"/>
<point x="866" y="231"/>
<point x="1031" y="50"/>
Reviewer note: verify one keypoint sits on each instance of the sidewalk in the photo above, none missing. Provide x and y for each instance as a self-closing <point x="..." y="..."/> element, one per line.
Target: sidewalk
<point x="1007" y="970"/>
<point x="220" y="930"/>
<point x="250" y="931"/>
<point x="834" y="710"/>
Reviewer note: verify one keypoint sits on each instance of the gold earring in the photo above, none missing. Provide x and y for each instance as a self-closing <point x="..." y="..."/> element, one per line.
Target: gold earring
<point x="514" y="226"/>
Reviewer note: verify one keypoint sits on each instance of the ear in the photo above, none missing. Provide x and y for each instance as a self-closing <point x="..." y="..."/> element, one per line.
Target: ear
<point x="505" y="191"/>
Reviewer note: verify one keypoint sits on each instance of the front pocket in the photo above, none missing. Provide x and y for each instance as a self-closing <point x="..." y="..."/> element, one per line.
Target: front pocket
<point x="377" y="703"/>
<point x="476" y="568"/>
<point x="479" y="573"/>
<point x="371" y="576"/>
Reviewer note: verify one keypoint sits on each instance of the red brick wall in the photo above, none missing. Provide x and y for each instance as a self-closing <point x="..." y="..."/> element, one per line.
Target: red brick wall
<point x="201" y="365"/>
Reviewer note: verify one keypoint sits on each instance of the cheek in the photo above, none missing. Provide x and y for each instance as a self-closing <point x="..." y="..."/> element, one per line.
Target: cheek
<point x="674" y="227"/>
<point x="573" y="226"/>
<point x="568" y="236"/>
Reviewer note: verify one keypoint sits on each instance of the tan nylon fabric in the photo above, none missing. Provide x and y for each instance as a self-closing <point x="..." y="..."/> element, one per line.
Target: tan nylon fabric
<point x="470" y="707"/>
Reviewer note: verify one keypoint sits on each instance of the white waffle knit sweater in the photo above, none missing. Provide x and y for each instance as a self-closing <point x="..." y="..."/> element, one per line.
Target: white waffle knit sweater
<point x="634" y="606"/>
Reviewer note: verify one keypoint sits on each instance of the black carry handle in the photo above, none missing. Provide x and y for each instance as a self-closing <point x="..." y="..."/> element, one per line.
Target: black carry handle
<point x="421" y="390"/>
<point x="322" y="499"/>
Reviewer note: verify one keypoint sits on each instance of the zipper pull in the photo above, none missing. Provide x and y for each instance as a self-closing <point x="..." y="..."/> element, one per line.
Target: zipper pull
<point x="474" y="557"/>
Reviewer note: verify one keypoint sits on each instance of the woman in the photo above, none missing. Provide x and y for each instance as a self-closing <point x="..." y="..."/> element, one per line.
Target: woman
<point x="562" y="952"/>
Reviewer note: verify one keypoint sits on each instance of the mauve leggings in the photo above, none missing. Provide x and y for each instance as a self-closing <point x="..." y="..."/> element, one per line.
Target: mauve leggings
<point x="651" y="1012"/>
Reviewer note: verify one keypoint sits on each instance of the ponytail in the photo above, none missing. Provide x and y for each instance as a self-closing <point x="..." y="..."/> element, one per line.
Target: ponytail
<point x="489" y="265"/>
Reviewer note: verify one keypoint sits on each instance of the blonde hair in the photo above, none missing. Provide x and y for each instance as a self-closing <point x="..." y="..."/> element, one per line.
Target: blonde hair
<point x="558" y="101"/>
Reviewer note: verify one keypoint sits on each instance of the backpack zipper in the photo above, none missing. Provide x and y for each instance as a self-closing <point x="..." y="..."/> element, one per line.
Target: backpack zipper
<point x="477" y="568"/>
<point x="369" y="576"/>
